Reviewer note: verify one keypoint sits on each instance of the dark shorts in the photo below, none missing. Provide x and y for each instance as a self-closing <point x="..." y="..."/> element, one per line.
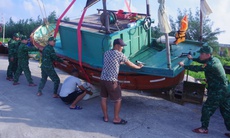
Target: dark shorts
<point x="71" y="97"/>
<point x="110" y="89"/>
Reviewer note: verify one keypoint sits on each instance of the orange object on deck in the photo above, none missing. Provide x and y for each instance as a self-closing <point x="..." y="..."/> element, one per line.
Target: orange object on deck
<point x="180" y="35"/>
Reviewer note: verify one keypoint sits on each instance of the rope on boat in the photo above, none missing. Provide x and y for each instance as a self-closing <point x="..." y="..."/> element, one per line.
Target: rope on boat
<point x="44" y="8"/>
<point x="59" y="19"/>
<point x="79" y="38"/>
<point x="128" y="6"/>
<point x="43" y="12"/>
<point x="40" y="8"/>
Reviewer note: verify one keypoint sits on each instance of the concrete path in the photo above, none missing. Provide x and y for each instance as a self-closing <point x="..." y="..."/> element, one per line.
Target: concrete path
<point x="25" y="115"/>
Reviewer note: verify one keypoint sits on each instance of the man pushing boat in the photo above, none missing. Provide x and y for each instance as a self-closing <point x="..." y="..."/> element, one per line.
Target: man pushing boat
<point x="218" y="91"/>
<point x="47" y="68"/>
<point x="110" y="86"/>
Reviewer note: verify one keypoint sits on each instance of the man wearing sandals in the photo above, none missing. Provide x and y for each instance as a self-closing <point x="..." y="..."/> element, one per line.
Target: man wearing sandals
<point x="218" y="92"/>
<point x="72" y="90"/>
<point x="109" y="79"/>
<point x="47" y="68"/>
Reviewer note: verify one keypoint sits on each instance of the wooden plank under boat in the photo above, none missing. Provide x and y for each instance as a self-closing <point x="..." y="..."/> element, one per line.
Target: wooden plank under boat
<point x="227" y="69"/>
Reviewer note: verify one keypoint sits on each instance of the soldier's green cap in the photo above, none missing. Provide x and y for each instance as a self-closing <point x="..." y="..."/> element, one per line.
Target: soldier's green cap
<point x="24" y="37"/>
<point x="206" y="49"/>
<point x="21" y="35"/>
<point x="16" y="35"/>
<point x="51" y="39"/>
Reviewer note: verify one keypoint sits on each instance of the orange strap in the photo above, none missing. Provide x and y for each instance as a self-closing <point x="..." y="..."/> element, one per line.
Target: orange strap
<point x="127" y="5"/>
<point x="59" y="19"/>
<point x="79" y="38"/>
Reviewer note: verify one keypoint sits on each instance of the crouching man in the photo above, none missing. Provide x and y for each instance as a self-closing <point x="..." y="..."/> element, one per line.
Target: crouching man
<point x="72" y="90"/>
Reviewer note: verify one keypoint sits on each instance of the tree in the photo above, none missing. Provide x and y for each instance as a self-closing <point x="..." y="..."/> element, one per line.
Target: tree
<point x="66" y="19"/>
<point x="226" y="53"/>
<point x="25" y="26"/>
<point x="156" y="32"/>
<point x="52" y="17"/>
<point x="193" y="32"/>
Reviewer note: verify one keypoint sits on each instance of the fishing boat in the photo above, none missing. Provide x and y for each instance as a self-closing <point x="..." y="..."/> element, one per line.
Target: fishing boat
<point x="82" y="42"/>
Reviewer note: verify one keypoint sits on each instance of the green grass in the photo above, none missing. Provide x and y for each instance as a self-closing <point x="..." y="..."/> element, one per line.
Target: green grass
<point x="200" y="75"/>
<point x="5" y="40"/>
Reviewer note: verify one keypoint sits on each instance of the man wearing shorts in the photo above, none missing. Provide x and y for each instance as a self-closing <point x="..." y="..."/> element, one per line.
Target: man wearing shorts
<point x="109" y="79"/>
<point x="72" y="91"/>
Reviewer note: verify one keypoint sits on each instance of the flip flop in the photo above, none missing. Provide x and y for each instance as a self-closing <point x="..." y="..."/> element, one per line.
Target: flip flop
<point x="104" y="119"/>
<point x="16" y="83"/>
<point x="9" y="78"/>
<point x="39" y="94"/>
<point x="122" y="122"/>
<point x="227" y="134"/>
<point x="56" y="96"/>
<point x="32" y="84"/>
<point x="76" y="108"/>
<point x="200" y="130"/>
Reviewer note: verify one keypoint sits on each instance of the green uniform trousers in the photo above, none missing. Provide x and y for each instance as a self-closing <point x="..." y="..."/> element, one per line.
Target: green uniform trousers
<point x="23" y="66"/>
<point x="219" y="99"/>
<point x="50" y="72"/>
<point x="12" y="67"/>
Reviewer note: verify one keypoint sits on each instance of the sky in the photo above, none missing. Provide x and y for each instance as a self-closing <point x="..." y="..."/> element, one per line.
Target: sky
<point x="25" y="9"/>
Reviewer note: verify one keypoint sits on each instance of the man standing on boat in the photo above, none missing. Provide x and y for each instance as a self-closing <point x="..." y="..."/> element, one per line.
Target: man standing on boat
<point x="12" y="56"/>
<point x="110" y="86"/>
<point x="47" y="68"/>
<point x="23" y="63"/>
<point x="218" y="92"/>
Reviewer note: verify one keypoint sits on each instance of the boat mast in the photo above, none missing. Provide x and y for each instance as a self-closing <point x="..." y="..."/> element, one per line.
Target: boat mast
<point x="201" y="26"/>
<point x="3" y="23"/>
<point x="204" y="11"/>
<point x="165" y="28"/>
<point x="147" y="8"/>
<point x="148" y="16"/>
<point x="107" y="30"/>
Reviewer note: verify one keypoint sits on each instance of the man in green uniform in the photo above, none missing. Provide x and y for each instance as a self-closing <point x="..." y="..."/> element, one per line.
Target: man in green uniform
<point x="23" y="63"/>
<point x="12" y="56"/>
<point x="48" y="56"/>
<point x="218" y="92"/>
